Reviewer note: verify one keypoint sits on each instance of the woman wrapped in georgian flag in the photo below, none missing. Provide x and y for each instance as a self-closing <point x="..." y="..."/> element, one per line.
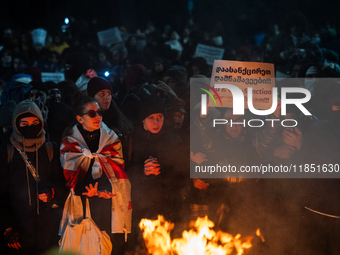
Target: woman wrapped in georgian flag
<point x="91" y="156"/>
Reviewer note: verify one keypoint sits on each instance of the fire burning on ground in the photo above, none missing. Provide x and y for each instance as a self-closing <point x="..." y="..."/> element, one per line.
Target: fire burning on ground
<point x="201" y="239"/>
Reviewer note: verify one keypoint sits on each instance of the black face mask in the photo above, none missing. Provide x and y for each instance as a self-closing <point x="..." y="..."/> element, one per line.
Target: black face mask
<point x="30" y="131"/>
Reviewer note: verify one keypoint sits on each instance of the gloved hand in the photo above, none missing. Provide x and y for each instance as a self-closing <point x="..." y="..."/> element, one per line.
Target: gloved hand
<point x="46" y="196"/>
<point x="11" y="237"/>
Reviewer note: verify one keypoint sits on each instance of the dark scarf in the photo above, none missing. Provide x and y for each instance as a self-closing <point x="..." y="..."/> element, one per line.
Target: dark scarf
<point x="91" y="138"/>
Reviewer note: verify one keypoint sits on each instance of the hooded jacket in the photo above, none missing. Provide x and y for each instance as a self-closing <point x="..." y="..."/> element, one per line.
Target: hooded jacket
<point x="19" y="205"/>
<point x="17" y="139"/>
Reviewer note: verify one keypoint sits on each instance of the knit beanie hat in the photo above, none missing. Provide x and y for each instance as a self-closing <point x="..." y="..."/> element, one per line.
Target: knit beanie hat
<point x="51" y="85"/>
<point x="177" y="72"/>
<point x="34" y="72"/>
<point x="39" y="85"/>
<point x="21" y="77"/>
<point x="313" y="70"/>
<point x="150" y="105"/>
<point x="177" y="105"/>
<point x="135" y="75"/>
<point x="97" y="84"/>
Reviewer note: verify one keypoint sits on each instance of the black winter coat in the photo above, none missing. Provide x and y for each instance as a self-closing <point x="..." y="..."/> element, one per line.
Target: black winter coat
<point x="36" y="222"/>
<point x="152" y="195"/>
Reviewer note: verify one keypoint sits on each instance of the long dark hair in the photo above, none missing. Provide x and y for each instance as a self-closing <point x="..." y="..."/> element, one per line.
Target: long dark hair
<point x="78" y="109"/>
<point x="81" y="103"/>
<point x="118" y="121"/>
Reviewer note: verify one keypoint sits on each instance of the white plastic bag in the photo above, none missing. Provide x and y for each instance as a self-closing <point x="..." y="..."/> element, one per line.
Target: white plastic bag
<point x="84" y="238"/>
<point x="73" y="212"/>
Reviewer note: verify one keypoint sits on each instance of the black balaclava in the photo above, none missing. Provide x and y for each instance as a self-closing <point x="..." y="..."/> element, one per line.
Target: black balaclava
<point x="28" y="131"/>
<point x="17" y="139"/>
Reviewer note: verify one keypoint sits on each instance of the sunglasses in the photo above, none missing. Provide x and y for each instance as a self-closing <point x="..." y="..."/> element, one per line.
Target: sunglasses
<point x="93" y="113"/>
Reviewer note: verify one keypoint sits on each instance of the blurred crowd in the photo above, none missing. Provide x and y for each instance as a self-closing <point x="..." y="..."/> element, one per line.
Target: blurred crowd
<point x="140" y="90"/>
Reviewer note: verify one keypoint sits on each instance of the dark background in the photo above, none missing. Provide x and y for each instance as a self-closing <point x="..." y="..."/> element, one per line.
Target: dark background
<point x="243" y="16"/>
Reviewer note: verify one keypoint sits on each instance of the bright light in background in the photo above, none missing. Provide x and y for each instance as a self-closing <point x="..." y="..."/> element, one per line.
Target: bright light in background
<point x="106" y="73"/>
<point x="66" y="20"/>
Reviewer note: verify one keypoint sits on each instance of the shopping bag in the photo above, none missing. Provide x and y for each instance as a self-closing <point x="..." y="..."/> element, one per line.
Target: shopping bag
<point x="85" y="238"/>
<point x="73" y="212"/>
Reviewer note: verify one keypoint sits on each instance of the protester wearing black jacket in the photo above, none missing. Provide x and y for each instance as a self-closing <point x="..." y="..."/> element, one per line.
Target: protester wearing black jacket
<point x="31" y="198"/>
<point x="155" y="163"/>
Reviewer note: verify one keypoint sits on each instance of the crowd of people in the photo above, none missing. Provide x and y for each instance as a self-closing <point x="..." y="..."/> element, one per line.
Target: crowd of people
<point x="116" y="131"/>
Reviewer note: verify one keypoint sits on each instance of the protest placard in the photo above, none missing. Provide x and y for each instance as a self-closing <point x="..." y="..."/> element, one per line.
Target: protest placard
<point x="109" y="36"/>
<point x="210" y="53"/>
<point x="39" y="36"/>
<point x="259" y="76"/>
<point x="56" y="77"/>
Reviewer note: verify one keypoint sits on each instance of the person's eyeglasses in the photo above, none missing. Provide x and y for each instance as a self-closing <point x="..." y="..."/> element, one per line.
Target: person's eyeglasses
<point x="93" y="113"/>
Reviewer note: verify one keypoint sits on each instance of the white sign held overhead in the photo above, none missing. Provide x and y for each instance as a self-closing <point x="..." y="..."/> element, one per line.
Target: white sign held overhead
<point x="109" y="36"/>
<point x="210" y="53"/>
<point x="56" y="77"/>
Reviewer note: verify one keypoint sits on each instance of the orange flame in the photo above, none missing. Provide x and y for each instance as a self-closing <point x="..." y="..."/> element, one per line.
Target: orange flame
<point x="258" y="233"/>
<point x="200" y="240"/>
<point x="156" y="234"/>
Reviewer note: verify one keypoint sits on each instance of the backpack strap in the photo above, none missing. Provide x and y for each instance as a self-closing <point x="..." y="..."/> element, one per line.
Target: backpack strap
<point x="49" y="148"/>
<point x="10" y="152"/>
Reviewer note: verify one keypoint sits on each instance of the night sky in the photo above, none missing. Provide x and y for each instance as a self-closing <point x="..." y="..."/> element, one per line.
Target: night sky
<point x="250" y="16"/>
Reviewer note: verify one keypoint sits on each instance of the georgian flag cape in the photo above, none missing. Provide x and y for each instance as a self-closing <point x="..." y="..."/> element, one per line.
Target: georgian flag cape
<point x="76" y="158"/>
